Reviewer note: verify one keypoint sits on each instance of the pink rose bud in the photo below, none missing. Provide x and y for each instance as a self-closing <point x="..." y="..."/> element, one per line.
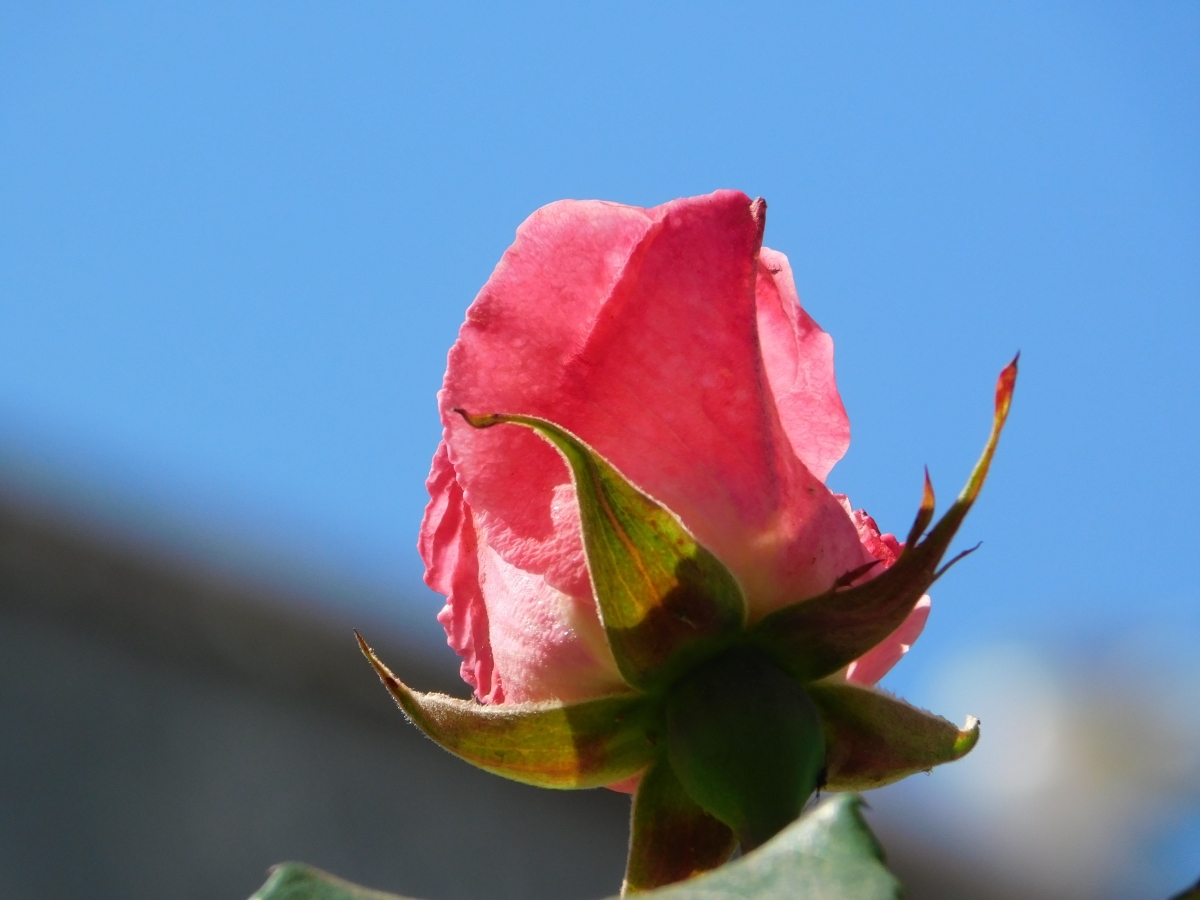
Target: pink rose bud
<point x="649" y="583"/>
<point x="674" y="344"/>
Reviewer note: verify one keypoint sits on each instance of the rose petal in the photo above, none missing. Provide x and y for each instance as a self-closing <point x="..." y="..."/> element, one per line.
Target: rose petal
<point x="548" y="645"/>
<point x="883" y="547"/>
<point x="878" y="661"/>
<point x="448" y="547"/>
<point x="798" y="357"/>
<point x="522" y="332"/>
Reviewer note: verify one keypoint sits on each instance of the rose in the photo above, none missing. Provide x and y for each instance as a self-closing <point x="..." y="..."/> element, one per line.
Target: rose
<point x="674" y="344"/>
<point x="647" y="578"/>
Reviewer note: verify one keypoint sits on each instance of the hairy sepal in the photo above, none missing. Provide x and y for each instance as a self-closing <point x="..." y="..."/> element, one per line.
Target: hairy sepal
<point x="818" y="636"/>
<point x="552" y="745"/>
<point x="664" y="599"/>
<point x="873" y="738"/>
<point x="671" y="837"/>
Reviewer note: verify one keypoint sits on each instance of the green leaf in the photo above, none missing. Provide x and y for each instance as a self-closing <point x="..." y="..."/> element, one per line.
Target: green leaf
<point x="1192" y="893"/>
<point x="671" y="837"/>
<point x="817" y="637"/>
<point x="296" y="881"/>
<point x="664" y="599"/>
<point x="827" y="854"/>
<point x="873" y="739"/>
<point x="554" y="745"/>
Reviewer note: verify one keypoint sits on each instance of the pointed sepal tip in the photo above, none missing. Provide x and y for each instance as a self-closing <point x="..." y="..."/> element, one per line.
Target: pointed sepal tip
<point x="550" y="744"/>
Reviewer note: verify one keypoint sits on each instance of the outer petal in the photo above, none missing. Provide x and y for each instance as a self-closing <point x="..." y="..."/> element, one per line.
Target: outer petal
<point x="664" y="600"/>
<point x="522" y="332"/>
<point x="449" y="548"/>
<point x="503" y="619"/>
<point x="798" y="357"/>
<point x="883" y="547"/>
<point x="878" y="661"/>
<point x="546" y="644"/>
<point x="637" y="331"/>
<point x="535" y="310"/>
<point x="539" y="639"/>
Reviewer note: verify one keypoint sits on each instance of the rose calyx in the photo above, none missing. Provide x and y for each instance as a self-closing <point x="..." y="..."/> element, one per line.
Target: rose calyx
<point x="745" y="741"/>
<point x="728" y="726"/>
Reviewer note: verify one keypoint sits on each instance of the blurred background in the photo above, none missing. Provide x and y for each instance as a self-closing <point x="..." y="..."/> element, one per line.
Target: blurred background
<point x="236" y="242"/>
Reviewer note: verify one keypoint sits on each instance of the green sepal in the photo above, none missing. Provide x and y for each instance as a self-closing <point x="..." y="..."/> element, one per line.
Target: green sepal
<point x="818" y="636"/>
<point x="873" y="738"/>
<point x="664" y="599"/>
<point x="553" y="745"/>
<point x="1192" y="893"/>
<point x="670" y="837"/>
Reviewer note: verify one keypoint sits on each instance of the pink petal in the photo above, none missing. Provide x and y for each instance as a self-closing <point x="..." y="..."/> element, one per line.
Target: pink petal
<point x="883" y="547"/>
<point x="548" y="645"/>
<point x="798" y="357"/>
<point x="521" y="333"/>
<point x="448" y="547"/>
<point x="538" y="304"/>
<point x="628" y="786"/>
<point x="878" y="661"/>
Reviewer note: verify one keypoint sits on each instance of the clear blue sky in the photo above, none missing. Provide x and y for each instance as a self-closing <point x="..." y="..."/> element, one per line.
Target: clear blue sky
<point x="237" y="240"/>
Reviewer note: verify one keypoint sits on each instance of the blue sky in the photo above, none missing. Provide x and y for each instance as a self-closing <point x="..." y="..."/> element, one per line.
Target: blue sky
<point x="237" y="240"/>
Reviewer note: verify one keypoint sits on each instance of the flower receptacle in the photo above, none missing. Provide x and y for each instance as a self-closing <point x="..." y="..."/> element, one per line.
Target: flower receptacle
<point x="745" y="741"/>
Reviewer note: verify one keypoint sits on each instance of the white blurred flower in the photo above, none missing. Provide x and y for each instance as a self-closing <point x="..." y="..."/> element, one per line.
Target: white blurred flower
<point x="1070" y="774"/>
